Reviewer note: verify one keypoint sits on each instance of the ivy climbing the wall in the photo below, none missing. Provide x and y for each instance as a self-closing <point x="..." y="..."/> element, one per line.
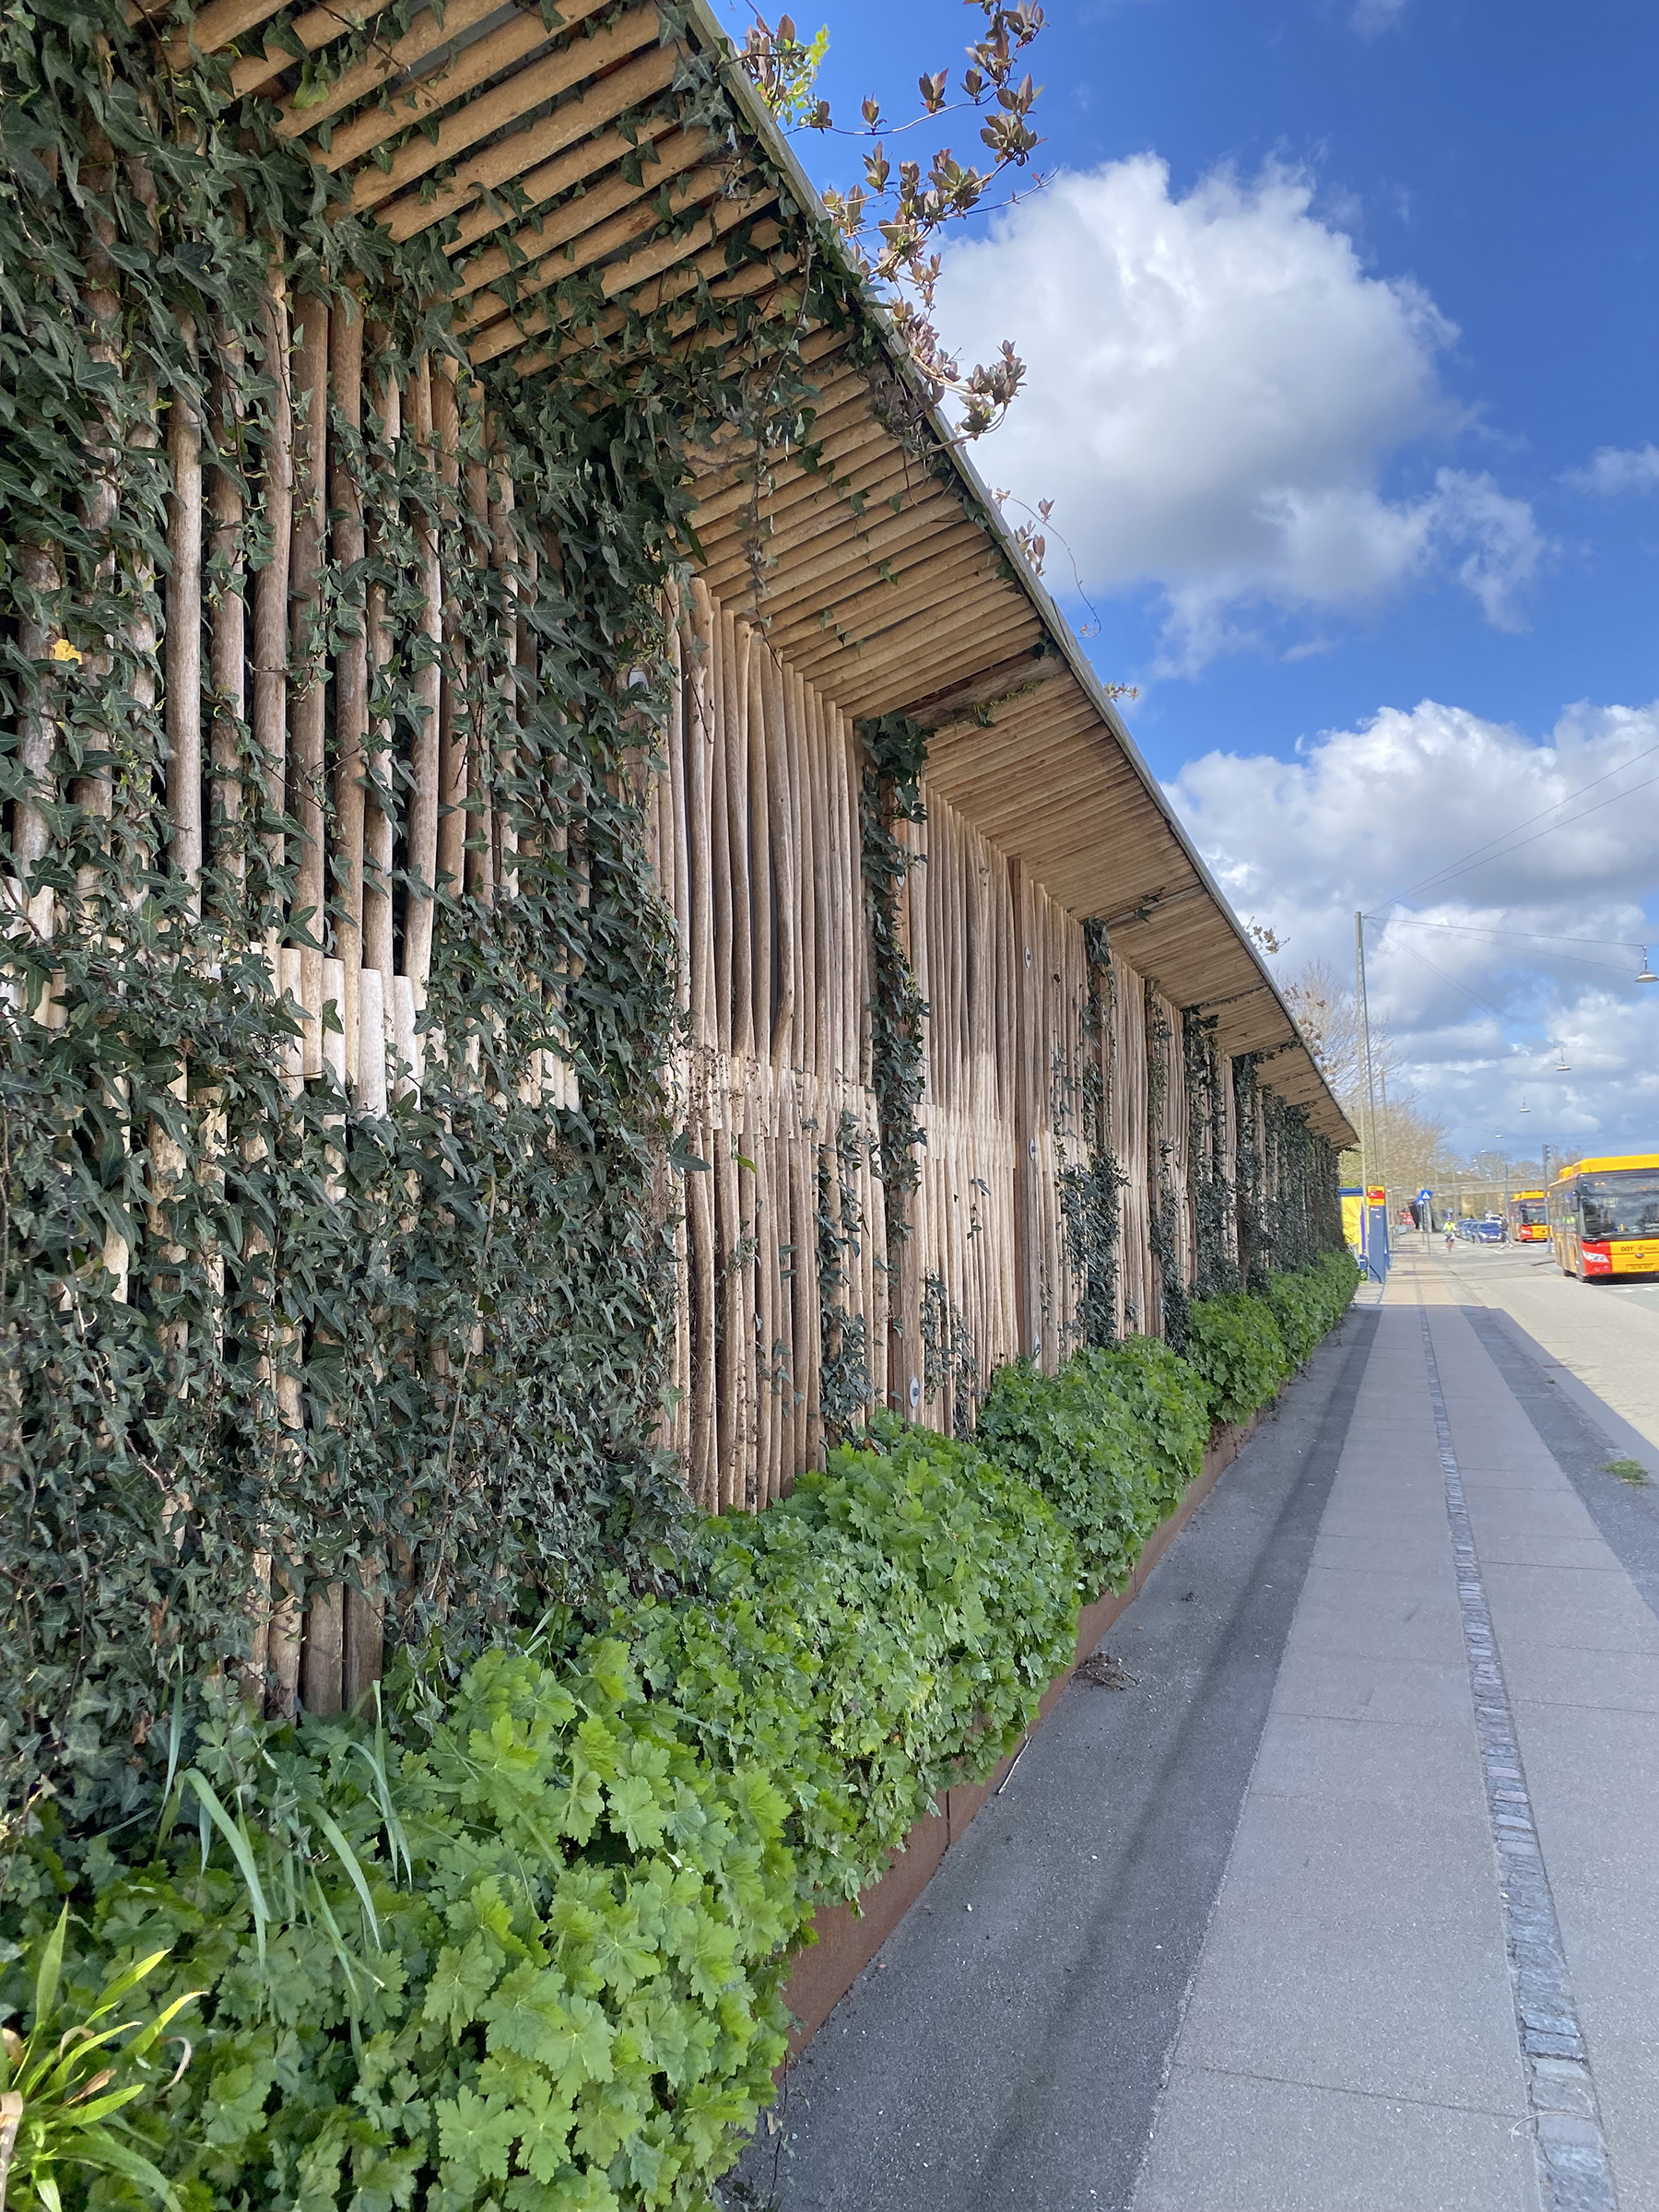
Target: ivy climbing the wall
<point x="292" y="1372"/>
<point x="845" y="1388"/>
<point x="1163" y="1202"/>
<point x="890" y="795"/>
<point x="1250" y="1228"/>
<point x="1090" y="1192"/>
<point x="1211" y="1193"/>
<point x="949" y="1356"/>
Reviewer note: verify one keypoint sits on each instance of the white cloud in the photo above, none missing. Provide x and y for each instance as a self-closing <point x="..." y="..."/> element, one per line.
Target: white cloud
<point x="1371" y="18"/>
<point x="1504" y="543"/>
<point x="1616" y="468"/>
<point x="1471" y="962"/>
<point x="1216" y="388"/>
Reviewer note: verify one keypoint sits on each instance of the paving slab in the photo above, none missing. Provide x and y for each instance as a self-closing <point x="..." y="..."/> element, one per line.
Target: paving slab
<point x="1385" y="1615"/>
<point x="1231" y="2143"/>
<point x="1611" y="1681"/>
<point x="1371" y="1687"/>
<point x="1342" y="1761"/>
<point x="1574" y="1608"/>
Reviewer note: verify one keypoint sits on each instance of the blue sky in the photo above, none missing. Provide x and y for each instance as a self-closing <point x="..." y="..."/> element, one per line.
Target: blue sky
<point x="1330" y="308"/>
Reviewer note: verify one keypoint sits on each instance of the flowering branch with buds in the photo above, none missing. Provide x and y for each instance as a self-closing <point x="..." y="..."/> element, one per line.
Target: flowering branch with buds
<point x="889" y="220"/>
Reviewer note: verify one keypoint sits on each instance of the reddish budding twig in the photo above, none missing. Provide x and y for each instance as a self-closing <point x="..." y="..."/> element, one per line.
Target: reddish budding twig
<point x="889" y="222"/>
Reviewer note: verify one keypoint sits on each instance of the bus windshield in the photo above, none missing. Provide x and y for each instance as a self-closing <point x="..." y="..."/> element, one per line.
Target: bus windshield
<point x="1624" y="1204"/>
<point x="1529" y="1212"/>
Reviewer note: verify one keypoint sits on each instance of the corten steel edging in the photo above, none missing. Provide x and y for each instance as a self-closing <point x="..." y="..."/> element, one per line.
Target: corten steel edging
<point x="849" y="1939"/>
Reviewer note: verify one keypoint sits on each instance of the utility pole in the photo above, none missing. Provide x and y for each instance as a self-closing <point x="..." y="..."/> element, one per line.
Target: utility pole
<point x="1365" y="1053"/>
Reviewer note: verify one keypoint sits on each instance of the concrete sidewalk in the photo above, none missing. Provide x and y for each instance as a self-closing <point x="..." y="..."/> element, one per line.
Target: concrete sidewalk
<point x="1354" y="2038"/>
<point x="1350" y="1903"/>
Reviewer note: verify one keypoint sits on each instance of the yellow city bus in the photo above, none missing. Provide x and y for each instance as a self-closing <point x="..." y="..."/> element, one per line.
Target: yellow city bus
<point x="1604" y="1216"/>
<point x="1529" y="1217"/>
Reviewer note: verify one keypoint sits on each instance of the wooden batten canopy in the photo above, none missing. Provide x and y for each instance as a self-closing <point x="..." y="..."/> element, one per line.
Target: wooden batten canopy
<point x="885" y="575"/>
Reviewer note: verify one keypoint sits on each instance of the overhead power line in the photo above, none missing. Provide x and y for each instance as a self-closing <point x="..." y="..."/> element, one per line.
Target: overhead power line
<point x="1390" y="921"/>
<point x="1473" y="996"/>
<point x="1476" y="857"/>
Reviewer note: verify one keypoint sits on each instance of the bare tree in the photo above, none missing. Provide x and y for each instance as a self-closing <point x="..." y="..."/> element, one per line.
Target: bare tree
<point x="1413" y="1149"/>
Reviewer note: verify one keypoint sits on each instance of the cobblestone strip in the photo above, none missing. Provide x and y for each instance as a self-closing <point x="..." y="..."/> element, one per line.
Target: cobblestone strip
<point x="1575" y="2173"/>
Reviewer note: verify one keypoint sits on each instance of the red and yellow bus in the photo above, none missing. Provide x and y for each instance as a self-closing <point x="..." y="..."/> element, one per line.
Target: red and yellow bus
<point x="1604" y="1216"/>
<point x="1529" y="1217"/>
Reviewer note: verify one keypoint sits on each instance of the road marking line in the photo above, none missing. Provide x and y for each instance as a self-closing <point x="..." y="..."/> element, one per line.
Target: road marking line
<point x="1575" y="2171"/>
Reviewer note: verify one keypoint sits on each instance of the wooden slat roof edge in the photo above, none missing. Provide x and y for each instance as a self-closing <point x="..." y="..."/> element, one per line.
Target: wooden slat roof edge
<point x="760" y="119"/>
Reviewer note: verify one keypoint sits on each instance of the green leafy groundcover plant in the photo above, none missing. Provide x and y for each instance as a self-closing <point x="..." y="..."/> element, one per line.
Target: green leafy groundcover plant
<point x="1308" y="1301"/>
<point x="1234" y="1345"/>
<point x="1082" y="1440"/>
<point x="1113" y="1440"/>
<point x="533" y="1957"/>
<point x="888" y="1629"/>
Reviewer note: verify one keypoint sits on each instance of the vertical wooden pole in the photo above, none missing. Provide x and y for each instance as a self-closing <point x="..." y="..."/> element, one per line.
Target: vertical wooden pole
<point x="183" y="644"/>
<point x="739" y="640"/>
<point x="228" y="647"/>
<point x="42" y="572"/>
<point x="308" y="702"/>
<point x="323" y="1659"/>
<point x="351" y="666"/>
<point x="483" y="845"/>
<point x="452" y="741"/>
<point x="705" y="1443"/>
<point x="364" y="1655"/>
<point x="735" y="1346"/>
<point x="380" y="804"/>
<point x="722" y="1027"/>
<point x="271" y="582"/>
<point x="905" y="1348"/>
<point x="505" y="830"/>
<point x="679" y="824"/>
<point x="1027" y="1227"/>
<point x="781" y="805"/>
<point x="699" y="761"/>
<point x="93" y="791"/>
<point x="758" y="856"/>
<point x="423" y="799"/>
